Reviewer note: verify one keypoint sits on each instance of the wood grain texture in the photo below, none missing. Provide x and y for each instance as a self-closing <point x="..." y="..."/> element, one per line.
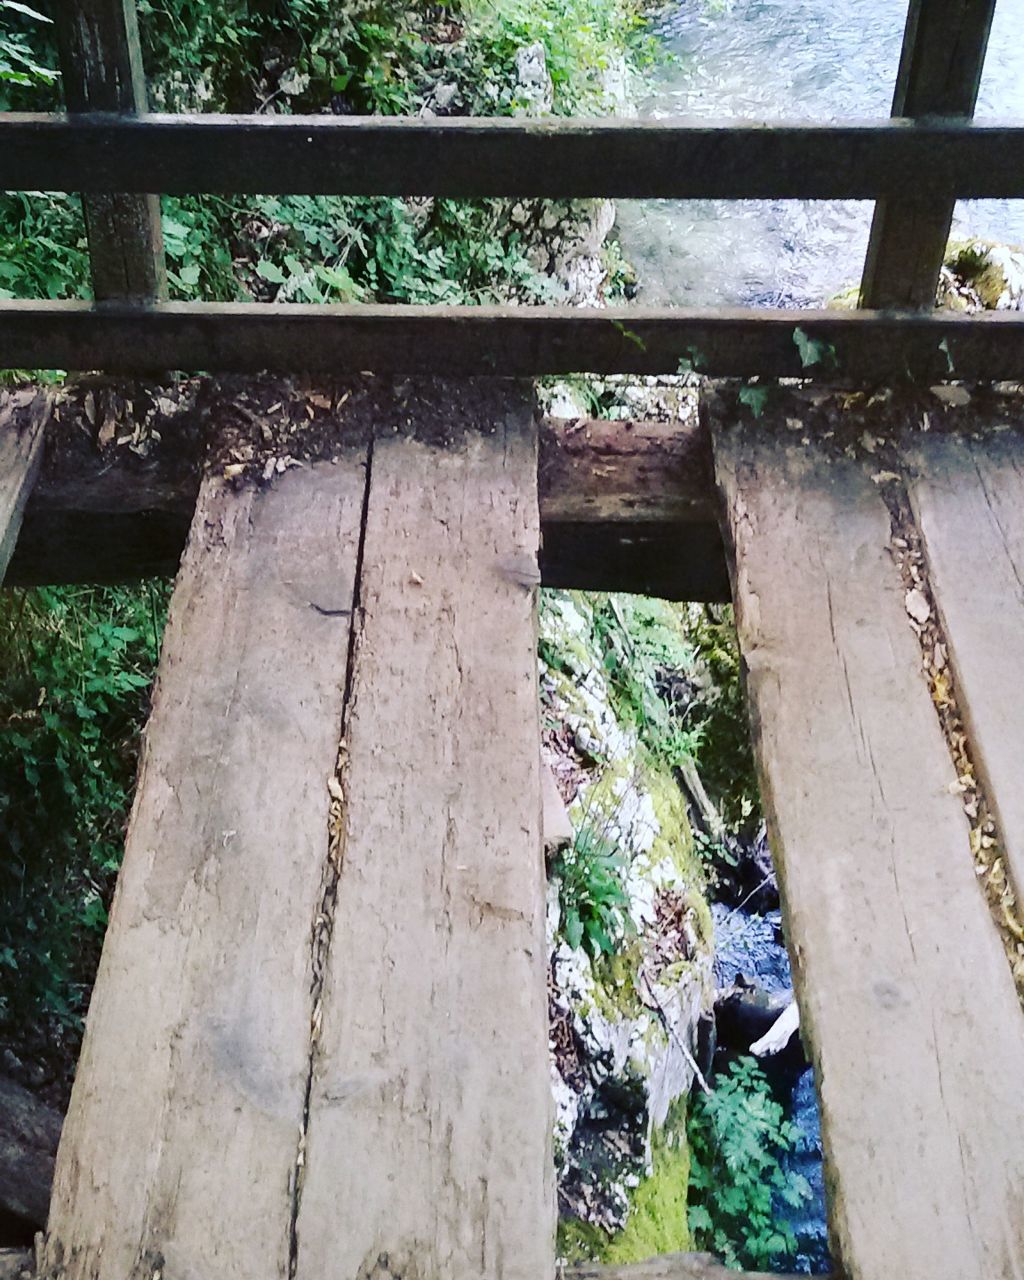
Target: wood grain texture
<point x="21" y="453"/>
<point x="907" y="1001"/>
<point x="941" y="62"/>
<point x="180" y="1143"/>
<point x="542" y="159"/>
<point x="443" y="341"/>
<point x="101" y="71"/>
<point x="968" y="500"/>
<point x="428" y="1153"/>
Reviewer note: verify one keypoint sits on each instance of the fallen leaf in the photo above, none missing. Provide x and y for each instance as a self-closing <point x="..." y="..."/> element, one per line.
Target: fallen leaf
<point x="917" y="606"/>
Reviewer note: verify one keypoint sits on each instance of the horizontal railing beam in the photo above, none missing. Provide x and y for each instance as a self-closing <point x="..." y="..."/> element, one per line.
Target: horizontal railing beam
<point x="179" y="154"/>
<point x="867" y="346"/>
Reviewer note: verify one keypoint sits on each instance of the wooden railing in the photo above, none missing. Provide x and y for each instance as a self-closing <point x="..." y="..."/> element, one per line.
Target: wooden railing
<point x="915" y="165"/>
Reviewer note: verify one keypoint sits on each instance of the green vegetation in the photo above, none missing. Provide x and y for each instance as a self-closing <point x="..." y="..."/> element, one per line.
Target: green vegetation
<point x="658" y="1220"/>
<point x="367" y="56"/>
<point x="75" y="669"/>
<point x="738" y="1138"/>
<point x="592" y="893"/>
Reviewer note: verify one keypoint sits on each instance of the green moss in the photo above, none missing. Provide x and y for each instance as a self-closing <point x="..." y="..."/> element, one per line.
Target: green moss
<point x="657" y="1221"/>
<point x="580" y="1241"/>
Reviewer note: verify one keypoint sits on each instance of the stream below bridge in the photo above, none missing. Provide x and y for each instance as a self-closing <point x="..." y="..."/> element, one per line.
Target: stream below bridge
<point x="801" y="60"/>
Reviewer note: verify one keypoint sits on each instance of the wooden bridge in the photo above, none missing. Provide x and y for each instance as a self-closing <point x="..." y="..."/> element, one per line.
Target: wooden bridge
<point x="317" y="1045"/>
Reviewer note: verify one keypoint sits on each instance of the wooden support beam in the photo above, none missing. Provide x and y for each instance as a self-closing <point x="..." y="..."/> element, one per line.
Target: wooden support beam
<point x="23" y="416"/>
<point x="906" y="996"/>
<point x="624" y="505"/>
<point x="101" y="70"/>
<point x="869" y="346"/>
<point x="317" y="1040"/>
<point x="555" y="159"/>
<point x="939" y="74"/>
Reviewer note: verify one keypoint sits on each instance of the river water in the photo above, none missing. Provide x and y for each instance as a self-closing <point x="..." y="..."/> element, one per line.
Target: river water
<point x="798" y="59"/>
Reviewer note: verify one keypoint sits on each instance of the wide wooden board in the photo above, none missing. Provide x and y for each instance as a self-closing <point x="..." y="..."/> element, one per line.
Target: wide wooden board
<point x="968" y="499"/>
<point x="905" y="994"/>
<point x="428" y="1152"/>
<point x="179" y="1149"/>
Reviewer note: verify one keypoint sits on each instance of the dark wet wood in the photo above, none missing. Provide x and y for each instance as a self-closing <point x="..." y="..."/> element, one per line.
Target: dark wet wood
<point x="101" y="70"/>
<point x="869" y="346"/>
<point x="624" y="505"/>
<point x="555" y="159"/>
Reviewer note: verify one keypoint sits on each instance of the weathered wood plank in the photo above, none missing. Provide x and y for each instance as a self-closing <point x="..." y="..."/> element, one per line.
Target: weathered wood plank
<point x="940" y="69"/>
<point x="21" y="453"/>
<point x="968" y="499"/>
<point x="553" y="159"/>
<point x="905" y="994"/>
<point x="445" y="341"/>
<point x="428" y="1149"/>
<point x="179" y="1150"/>
<point x="101" y="70"/>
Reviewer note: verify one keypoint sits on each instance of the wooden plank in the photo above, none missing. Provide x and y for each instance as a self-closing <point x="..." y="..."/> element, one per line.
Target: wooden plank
<point x="506" y="341"/>
<point x="943" y="55"/>
<point x="179" y="1151"/>
<point x="371" y="155"/>
<point x="16" y="1263"/>
<point x="968" y="499"/>
<point x="101" y="70"/>
<point x="905" y="993"/>
<point x="23" y="415"/>
<point x="428" y="1150"/>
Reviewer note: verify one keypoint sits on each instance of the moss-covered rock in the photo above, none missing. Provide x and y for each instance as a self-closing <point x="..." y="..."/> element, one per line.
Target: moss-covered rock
<point x="624" y="1015"/>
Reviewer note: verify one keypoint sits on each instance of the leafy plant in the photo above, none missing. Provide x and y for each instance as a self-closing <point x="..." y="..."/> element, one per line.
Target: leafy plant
<point x="75" y="668"/>
<point x="755" y="396"/>
<point x="641" y="643"/>
<point x="20" y="62"/>
<point x="738" y="1139"/>
<point x="592" y="893"/>
<point x="814" y="351"/>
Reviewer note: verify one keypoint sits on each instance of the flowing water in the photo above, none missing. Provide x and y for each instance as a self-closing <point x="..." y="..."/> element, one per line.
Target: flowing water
<point x="751" y="946"/>
<point x="801" y="60"/>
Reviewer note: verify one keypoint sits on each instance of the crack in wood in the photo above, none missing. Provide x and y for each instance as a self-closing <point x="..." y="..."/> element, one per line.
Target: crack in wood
<point x="323" y="920"/>
<point x="987" y="843"/>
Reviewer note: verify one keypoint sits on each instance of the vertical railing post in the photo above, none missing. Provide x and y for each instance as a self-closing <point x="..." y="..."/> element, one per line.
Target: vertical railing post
<point x="940" y="70"/>
<point x="101" y="65"/>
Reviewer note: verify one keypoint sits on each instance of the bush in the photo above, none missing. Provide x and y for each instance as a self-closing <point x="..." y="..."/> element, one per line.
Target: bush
<point x="75" y="670"/>
<point x="738" y="1138"/>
